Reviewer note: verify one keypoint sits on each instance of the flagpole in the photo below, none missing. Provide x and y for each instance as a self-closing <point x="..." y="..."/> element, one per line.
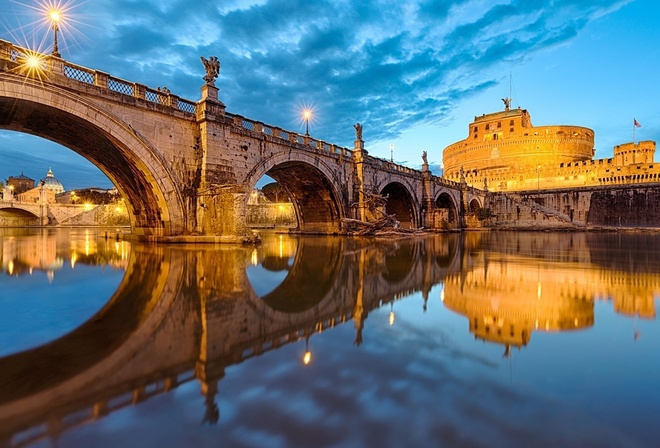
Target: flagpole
<point x="634" y="130"/>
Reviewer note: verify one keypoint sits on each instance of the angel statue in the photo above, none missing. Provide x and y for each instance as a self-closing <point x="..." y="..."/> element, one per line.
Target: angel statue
<point x="358" y="131"/>
<point x="212" y="67"/>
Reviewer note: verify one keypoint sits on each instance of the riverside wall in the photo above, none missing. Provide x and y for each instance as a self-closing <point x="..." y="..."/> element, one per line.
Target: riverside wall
<point x="634" y="206"/>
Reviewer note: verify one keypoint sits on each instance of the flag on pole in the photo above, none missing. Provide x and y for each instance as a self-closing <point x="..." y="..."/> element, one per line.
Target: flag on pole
<point x="636" y="123"/>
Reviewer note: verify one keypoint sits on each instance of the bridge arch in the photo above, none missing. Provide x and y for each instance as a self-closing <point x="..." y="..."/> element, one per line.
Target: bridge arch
<point x="15" y="215"/>
<point x="311" y="185"/>
<point x="474" y="205"/>
<point x="154" y="200"/>
<point x="447" y="204"/>
<point x="400" y="203"/>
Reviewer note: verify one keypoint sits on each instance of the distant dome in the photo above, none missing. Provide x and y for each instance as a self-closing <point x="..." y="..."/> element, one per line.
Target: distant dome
<point x="51" y="183"/>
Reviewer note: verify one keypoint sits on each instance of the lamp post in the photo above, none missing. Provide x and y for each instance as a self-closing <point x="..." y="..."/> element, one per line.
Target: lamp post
<point x="55" y="18"/>
<point x="307" y="115"/>
<point x="392" y="153"/>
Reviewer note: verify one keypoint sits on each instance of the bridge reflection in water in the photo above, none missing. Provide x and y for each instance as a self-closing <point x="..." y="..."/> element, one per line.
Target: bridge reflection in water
<point x="187" y="313"/>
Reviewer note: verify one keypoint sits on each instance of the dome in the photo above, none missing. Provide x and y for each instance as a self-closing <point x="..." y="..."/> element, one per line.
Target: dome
<point x="51" y="183"/>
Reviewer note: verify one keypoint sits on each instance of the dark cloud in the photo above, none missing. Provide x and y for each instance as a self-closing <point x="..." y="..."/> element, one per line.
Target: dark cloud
<point x="390" y="65"/>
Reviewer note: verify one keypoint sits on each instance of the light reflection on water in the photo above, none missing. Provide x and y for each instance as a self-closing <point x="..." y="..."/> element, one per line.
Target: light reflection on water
<point x="481" y="339"/>
<point x="53" y="280"/>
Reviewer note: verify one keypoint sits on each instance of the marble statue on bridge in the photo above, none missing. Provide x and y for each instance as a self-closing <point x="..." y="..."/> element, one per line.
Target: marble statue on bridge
<point x="212" y="67"/>
<point x="358" y="131"/>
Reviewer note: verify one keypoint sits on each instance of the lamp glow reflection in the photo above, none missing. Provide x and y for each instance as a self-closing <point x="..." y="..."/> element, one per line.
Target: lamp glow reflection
<point x="307" y="357"/>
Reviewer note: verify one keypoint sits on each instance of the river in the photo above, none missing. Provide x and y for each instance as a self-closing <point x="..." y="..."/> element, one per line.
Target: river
<point x="480" y="339"/>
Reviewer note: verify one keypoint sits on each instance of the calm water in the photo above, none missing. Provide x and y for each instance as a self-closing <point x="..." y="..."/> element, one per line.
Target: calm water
<point x="475" y="340"/>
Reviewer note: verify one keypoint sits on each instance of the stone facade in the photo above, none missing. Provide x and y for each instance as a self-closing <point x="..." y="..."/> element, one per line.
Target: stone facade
<point x="504" y="152"/>
<point x="622" y="206"/>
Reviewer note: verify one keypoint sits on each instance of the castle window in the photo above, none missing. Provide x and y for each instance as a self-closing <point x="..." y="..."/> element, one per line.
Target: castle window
<point x="499" y="124"/>
<point x="511" y="130"/>
<point x="511" y="123"/>
<point x="487" y="127"/>
<point x="476" y="128"/>
<point x="494" y="136"/>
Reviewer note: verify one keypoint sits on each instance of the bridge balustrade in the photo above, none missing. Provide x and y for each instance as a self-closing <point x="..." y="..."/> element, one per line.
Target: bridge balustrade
<point x="293" y="137"/>
<point x="85" y="75"/>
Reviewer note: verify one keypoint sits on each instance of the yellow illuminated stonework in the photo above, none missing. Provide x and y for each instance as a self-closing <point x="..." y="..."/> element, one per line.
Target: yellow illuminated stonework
<point x="506" y="297"/>
<point x="505" y="152"/>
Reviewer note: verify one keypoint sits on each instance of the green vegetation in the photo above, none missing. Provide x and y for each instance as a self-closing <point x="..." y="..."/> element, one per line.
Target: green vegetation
<point x="274" y="192"/>
<point x="90" y="196"/>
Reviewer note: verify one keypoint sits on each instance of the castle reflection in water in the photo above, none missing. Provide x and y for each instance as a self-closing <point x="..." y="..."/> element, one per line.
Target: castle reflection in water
<point x="187" y="313"/>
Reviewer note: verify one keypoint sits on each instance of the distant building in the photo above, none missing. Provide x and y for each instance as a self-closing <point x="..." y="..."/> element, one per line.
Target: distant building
<point x="40" y="194"/>
<point x="22" y="188"/>
<point x="20" y="183"/>
<point x="51" y="183"/>
<point x="505" y="152"/>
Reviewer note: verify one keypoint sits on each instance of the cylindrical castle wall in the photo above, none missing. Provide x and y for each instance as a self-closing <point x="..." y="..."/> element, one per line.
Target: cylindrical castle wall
<point x="537" y="146"/>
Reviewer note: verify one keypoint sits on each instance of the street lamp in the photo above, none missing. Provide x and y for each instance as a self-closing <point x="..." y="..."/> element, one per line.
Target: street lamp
<point x="391" y="153"/>
<point x="55" y="19"/>
<point x="307" y="115"/>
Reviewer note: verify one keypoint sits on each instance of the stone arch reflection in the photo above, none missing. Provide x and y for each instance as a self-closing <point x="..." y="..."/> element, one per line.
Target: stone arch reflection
<point x="91" y="348"/>
<point x="399" y="261"/>
<point x="310" y="265"/>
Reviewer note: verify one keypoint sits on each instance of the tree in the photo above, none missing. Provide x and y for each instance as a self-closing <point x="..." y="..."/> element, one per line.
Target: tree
<point x="274" y="192"/>
<point x="92" y="196"/>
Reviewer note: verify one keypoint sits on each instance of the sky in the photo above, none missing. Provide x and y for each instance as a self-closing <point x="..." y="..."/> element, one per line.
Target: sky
<point x="413" y="73"/>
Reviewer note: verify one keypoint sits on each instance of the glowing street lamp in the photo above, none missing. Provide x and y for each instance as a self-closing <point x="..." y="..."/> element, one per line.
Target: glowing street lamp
<point x="307" y="115"/>
<point x="55" y="19"/>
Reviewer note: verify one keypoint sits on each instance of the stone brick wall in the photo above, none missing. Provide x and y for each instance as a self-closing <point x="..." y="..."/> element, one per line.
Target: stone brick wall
<point x="622" y="206"/>
<point x="271" y="215"/>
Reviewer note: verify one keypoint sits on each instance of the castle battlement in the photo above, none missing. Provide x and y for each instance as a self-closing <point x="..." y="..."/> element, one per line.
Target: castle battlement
<point x="506" y="152"/>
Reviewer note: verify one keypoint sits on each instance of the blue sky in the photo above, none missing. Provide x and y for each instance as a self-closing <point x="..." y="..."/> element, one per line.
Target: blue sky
<point x="414" y="73"/>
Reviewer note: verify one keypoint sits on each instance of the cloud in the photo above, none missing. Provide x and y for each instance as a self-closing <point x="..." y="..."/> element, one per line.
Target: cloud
<point x="390" y="65"/>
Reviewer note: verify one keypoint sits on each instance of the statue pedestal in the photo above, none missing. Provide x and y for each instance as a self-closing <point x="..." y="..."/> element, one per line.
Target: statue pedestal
<point x="210" y="93"/>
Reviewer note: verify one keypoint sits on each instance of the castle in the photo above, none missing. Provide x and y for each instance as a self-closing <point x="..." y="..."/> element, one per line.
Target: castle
<point x="505" y="152"/>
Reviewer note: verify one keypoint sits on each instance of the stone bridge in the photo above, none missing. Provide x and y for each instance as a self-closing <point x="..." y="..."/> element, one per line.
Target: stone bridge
<point x="186" y="168"/>
<point x="24" y="213"/>
<point x="187" y="314"/>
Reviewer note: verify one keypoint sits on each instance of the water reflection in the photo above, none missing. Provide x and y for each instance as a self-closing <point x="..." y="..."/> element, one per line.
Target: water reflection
<point x="185" y="315"/>
<point x="25" y="250"/>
